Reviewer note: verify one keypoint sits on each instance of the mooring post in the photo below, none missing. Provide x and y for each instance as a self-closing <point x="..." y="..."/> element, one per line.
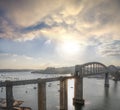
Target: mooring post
<point x="9" y="95"/>
<point x="63" y="94"/>
<point x="42" y="96"/>
<point x="107" y="79"/>
<point x="78" y="86"/>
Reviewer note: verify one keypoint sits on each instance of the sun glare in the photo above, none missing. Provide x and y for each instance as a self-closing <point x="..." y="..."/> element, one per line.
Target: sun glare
<point x="69" y="47"/>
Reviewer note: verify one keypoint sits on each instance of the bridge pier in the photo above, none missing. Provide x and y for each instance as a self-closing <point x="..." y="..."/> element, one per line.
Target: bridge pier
<point x="78" y="107"/>
<point x="116" y="76"/>
<point x="63" y="94"/>
<point x="106" y="79"/>
<point x="78" y="91"/>
<point x="42" y="96"/>
<point x="9" y="95"/>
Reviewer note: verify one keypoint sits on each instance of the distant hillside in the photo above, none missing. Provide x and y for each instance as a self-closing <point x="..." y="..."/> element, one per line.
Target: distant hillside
<point x="15" y="70"/>
<point x="52" y="70"/>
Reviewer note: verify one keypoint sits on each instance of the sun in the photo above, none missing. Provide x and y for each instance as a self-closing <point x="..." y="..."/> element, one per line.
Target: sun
<point x="69" y="47"/>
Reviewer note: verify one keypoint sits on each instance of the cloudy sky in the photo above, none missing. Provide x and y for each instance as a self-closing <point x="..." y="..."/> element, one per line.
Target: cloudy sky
<point x="41" y="33"/>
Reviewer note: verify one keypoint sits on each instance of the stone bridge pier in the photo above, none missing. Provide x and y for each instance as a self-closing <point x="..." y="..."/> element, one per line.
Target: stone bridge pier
<point x="107" y="79"/>
<point x="9" y="95"/>
<point x="78" y="87"/>
<point x="78" y="91"/>
<point x="63" y="94"/>
<point x="42" y="96"/>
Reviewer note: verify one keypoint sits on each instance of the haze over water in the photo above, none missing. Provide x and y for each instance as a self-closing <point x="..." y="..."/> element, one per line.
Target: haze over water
<point x="96" y="96"/>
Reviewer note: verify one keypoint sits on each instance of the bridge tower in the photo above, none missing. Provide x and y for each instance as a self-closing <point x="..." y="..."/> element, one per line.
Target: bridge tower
<point x="107" y="79"/>
<point x="78" y="87"/>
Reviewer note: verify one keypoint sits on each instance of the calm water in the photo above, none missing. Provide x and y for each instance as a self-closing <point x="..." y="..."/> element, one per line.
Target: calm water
<point x="95" y="95"/>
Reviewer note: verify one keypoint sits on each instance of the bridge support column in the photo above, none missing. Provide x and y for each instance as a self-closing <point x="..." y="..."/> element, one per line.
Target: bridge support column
<point x="106" y="80"/>
<point x="42" y="96"/>
<point x="63" y="94"/>
<point x="116" y="76"/>
<point x="9" y="95"/>
<point x="78" y="91"/>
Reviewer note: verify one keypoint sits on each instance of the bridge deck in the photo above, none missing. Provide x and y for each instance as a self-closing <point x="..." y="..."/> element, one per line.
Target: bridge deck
<point x="39" y="80"/>
<point x="33" y="81"/>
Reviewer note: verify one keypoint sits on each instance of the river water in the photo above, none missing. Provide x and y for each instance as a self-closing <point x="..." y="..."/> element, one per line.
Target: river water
<point x="96" y="96"/>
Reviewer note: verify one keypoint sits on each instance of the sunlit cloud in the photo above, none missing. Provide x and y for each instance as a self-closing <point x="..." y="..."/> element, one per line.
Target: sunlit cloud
<point x="110" y="48"/>
<point x="83" y="17"/>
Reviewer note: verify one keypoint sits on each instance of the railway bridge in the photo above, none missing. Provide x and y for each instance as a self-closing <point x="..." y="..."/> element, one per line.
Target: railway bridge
<point x="81" y="71"/>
